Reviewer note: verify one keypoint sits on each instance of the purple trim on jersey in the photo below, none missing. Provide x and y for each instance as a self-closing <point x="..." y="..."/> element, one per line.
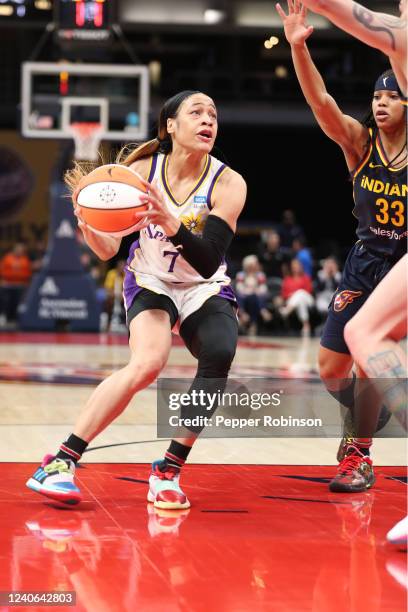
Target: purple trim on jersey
<point x="153" y="168"/>
<point x="135" y="245"/>
<point x="130" y="286"/>
<point x="130" y="289"/>
<point x="196" y="188"/>
<point x="228" y="293"/>
<point x="212" y="185"/>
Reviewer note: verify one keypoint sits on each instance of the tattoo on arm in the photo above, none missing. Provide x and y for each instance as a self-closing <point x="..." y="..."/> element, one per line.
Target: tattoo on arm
<point x="391" y="383"/>
<point x="385" y="365"/>
<point x="366" y="18"/>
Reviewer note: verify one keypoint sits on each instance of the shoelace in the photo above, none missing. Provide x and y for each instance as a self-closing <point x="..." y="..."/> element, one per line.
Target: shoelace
<point x="169" y="474"/>
<point x="350" y="463"/>
<point x="57" y="465"/>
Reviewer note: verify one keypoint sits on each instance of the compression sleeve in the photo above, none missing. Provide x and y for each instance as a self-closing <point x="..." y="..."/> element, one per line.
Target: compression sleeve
<point x="205" y="253"/>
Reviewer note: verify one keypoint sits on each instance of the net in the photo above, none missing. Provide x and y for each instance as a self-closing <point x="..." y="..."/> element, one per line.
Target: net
<point x="87" y="137"/>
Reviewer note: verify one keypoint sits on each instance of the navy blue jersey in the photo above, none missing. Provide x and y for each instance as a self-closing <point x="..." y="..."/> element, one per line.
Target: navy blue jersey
<point x="380" y="197"/>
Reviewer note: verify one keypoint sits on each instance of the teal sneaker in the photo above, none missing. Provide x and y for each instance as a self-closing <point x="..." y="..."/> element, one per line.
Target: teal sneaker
<point x="55" y="479"/>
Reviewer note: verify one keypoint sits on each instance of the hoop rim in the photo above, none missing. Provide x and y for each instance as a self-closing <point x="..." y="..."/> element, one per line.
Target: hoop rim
<point x="81" y="127"/>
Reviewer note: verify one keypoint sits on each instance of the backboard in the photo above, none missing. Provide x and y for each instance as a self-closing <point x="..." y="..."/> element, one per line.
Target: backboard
<point x="55" y="95"/>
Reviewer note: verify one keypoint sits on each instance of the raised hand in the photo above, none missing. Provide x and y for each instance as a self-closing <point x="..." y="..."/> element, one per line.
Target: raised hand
<point x="294" y="23"/>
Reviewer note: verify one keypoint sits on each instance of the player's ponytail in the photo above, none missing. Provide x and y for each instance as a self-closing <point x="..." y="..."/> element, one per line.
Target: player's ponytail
<point x="128" y="155"/>
<point x="80" y="169"/>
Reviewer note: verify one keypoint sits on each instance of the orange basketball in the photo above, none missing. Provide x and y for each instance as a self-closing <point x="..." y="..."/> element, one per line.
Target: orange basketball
<point x="108" y="197"/>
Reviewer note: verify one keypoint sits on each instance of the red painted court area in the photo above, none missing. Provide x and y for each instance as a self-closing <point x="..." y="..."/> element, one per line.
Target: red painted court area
<point x="255" y="538"/>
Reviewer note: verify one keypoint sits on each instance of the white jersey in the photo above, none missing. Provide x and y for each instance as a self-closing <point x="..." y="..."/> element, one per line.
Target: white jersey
<point x="153" y="253"/>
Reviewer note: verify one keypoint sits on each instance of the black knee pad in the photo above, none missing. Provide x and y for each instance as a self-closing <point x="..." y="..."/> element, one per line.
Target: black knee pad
<point x="215" y="361"/>
<point x="211" y="335"/>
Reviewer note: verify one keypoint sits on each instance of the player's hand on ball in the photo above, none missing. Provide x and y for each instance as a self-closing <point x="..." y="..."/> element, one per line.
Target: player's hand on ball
<point x="157" y="211"/>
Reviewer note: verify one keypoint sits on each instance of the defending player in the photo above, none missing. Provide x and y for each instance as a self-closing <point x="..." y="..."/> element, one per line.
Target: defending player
<point x="176" y="275"/>
<point x="372" y="335"/>
<point x="376" y="156"/>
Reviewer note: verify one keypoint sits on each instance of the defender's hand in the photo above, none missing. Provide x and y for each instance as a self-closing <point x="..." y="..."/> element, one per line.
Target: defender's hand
<point x="294" y="23"/>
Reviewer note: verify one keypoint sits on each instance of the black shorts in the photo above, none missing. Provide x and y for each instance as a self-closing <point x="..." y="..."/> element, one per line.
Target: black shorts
<point x="148" y="300"/>
<point x="363" y="271"/>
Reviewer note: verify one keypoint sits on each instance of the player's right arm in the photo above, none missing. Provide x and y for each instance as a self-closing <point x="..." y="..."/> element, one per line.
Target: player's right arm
<point x="346" y="131"/>
<point x="384" y="32"/>
<point x="106" y="247"/>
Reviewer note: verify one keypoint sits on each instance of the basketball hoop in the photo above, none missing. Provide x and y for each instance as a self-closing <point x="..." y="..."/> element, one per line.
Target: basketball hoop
<point x="87" y="137"/>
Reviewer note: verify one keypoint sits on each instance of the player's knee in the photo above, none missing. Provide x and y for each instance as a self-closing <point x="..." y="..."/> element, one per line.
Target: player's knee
<point x="216" y="360"/>
<point x="326" y="367"/>
<point x="143" y="372"/>
<point x="331" y="367"/>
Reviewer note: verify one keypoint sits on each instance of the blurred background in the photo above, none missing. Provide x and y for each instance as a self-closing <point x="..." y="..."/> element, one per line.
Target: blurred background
<point x="298" y="218"/>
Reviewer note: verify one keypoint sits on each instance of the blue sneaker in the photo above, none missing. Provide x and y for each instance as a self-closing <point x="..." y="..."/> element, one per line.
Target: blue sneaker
<point x="55" y="479"/>
<point x="164" y="489"/>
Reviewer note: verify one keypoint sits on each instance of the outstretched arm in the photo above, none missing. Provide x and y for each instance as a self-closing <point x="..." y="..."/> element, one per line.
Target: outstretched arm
<point x="341" y="128"/>
<point x="379" y="30"/>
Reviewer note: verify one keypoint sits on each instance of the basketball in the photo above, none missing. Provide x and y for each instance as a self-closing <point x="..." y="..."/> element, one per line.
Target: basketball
<point x="108" y="197"/>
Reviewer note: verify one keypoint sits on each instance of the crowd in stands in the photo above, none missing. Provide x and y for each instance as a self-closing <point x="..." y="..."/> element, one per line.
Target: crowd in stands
<point x="281" y="287"/>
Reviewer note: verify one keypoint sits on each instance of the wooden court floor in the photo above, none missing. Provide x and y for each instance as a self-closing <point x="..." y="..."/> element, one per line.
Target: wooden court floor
<point x="45" y="379"/>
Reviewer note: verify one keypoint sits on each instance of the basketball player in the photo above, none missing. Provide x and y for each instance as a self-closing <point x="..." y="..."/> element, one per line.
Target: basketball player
<point x="175" y="276"/>
<point x="372" y="334"/>
<point x="376" y="156"/>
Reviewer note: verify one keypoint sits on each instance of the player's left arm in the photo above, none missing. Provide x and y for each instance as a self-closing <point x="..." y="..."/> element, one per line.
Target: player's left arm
<point x="229" y="197"/>
<point x="204" y="253"/>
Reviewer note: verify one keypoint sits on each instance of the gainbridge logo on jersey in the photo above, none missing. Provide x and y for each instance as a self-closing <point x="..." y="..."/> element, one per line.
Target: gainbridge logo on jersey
<point x="391" y="234"/>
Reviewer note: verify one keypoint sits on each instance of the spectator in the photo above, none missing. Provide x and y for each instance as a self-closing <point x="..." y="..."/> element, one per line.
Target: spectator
<point x="15" y="274"/>
<point x="252" y="294"/>
<point x="303" y="254"/>
<point x="326" y="284"/>
<point x="296" y="295"/>
<point x="289" y="230"/>
<point x="271" y="256"/>
<point x="36" y="255"/>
